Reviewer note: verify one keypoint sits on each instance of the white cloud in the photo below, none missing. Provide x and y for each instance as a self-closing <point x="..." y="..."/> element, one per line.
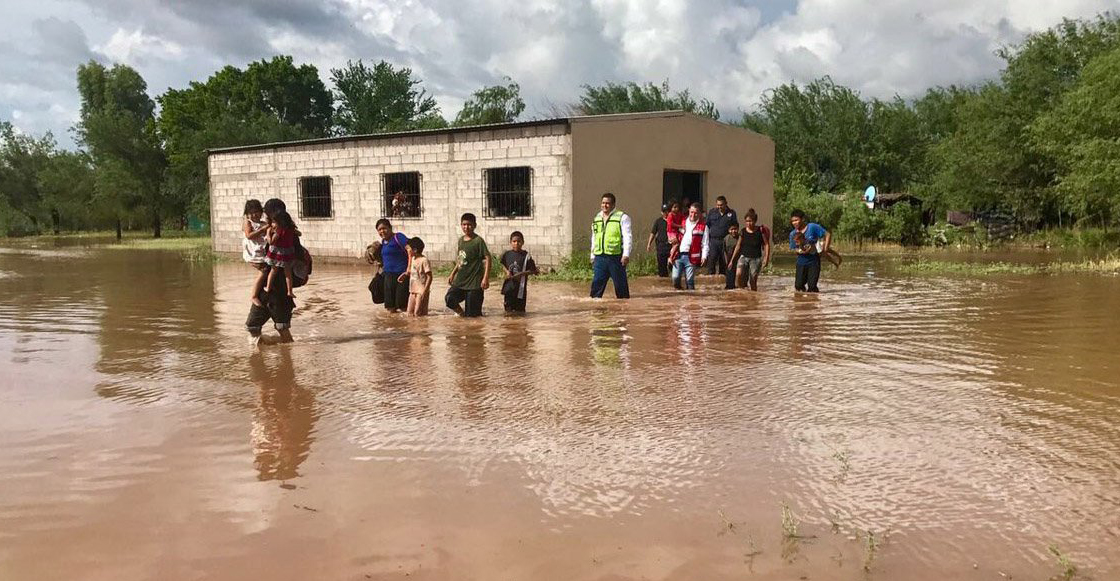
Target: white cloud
<point x="727" y="50"/>
<point x="133" y="47"/>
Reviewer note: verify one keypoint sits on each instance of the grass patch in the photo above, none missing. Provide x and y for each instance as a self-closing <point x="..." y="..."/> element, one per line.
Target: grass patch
<point x="1107" y="265"/>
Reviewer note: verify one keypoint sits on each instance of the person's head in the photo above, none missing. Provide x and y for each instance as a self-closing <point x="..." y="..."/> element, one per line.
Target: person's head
<point x="675" y="207"/>
<point x="384" y="228"/>
<point x="721" y="204"/>
<point x="516" y="240"/>
<point x="797" y="219"/>
<point x="750" y="220"/>
<point x="694" y="212"/>
<point x="665" y="210"/>
<point x="284" y="220"/>
<point x="274" y="205"/>
<point x="468" y="223"/>
<point x="607" y="203"/>
<point x="733" y="229"/>
<point x="254" y="210"/>
<point x="415" y="246"/>
<point x="686" y="202"/>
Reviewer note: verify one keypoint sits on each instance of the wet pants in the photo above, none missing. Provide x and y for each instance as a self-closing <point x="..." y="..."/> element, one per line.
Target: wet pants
<point x="472" y="297"/>
<point x="807" y="276"/>
<point x="607" y="266"/>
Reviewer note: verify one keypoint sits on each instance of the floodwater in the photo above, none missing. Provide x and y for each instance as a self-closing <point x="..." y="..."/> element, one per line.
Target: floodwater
<point x="908" y="428"/>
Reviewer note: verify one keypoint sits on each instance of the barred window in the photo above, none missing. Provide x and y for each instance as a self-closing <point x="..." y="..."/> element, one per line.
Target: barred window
<point x="400" y="195"/>
<point x="315" y="197"/>
<point x="509" y="192"/>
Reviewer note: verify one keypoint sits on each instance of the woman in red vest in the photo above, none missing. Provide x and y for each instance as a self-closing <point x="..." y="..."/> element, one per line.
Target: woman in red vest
<point x="693" y="248"/>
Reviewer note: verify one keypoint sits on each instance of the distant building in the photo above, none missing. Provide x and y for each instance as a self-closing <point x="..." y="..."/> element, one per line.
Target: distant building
<point x="544" y="178"/>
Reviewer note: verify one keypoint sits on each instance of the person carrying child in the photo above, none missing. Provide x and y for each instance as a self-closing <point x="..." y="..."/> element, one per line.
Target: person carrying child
<point x="419" y="278"/>
<point x="811" y="241"/>
<point x="281" y="250"/>
<point x="518" y="265"/>
<point x="471" y="276"/>
<point x="254" y="244"/>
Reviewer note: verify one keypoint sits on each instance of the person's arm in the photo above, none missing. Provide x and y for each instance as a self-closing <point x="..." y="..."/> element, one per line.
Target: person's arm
<point x="486" y="268"/>
<point x="454" y="271"/>
<point x="627" y="238"/>
<point x="735" y="251"/>
<point x="428" y="279"/>
<point x="704" y="246"/>
<point x="591" y="249"/>
<point x="407" y="269"/>
<point x="247" y="229"/>
<point x="827" y="242"/>
<point x="649" y="243"/>
<point x="509" y="273"/>
<point x="765" y="250"/>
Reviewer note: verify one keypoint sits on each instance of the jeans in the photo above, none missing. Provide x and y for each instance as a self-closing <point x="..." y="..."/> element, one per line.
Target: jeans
<point x="277" y="305"/>
<point x="683" y="267"/>
<point x="729" y="280"/>
<point x="808" y="275"/>
<point x="473" y="298"/>
<point x="607" y="266"/>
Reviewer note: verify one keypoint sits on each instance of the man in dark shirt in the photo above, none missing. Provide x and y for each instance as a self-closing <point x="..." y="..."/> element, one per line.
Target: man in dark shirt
<point x="720" y="219"/>
<point x="659" y="234"/>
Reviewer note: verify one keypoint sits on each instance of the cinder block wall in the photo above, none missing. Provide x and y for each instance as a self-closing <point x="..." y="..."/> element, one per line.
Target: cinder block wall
<point x="450" y="165"/>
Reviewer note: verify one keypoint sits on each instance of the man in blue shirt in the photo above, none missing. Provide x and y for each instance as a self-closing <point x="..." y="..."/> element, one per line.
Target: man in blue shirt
<point x="809" y="240"/>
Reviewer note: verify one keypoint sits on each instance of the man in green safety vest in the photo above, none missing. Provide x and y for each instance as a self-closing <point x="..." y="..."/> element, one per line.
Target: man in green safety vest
<point x="610" y="249"/>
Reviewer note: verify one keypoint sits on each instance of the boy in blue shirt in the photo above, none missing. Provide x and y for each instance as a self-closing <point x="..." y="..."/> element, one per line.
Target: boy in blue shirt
<point x="810" y="240"/>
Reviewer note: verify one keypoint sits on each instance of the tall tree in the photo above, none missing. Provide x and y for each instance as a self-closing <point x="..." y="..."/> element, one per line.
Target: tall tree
<point x="496" y="104"/>
<point x="634" y="98"/>
<point x="1082" y="133"/>
<point x="22" y="158"/>
<point x="381" y="99"/>
<point x="117" y="126"/>
<point x="68" y="189"/>
<point x="271" y="100"/>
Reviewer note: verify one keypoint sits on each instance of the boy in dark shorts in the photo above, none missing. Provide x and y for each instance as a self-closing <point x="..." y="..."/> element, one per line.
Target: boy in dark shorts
<point x="471" y="276"/>
<point x="518" y="266"/>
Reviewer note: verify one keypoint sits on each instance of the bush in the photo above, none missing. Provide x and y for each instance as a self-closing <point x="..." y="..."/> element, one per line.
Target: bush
<point x="903" y="224"/>
<point x="15" y="223"/>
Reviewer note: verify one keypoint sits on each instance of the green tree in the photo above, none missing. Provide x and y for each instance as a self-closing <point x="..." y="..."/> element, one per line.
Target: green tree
<point x="634" y="98"/>
<point x="497" y="104"/>
<point x="68" y="188"/>
<point x="381" y="99"/>
<point x="117" y="126"/>
<point x="271" y="100"/>
<point x="1082" y="133"/>
<point x="22" y="158"/>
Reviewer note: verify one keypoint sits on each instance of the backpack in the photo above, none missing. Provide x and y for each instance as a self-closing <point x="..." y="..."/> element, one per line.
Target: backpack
<point x="301" y="265"/>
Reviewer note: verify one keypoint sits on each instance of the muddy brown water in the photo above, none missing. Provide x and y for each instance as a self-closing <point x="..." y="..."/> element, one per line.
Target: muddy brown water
<point x="969" y="424"/>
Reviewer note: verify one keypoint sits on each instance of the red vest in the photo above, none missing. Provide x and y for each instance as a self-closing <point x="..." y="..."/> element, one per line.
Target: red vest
<point x="696" y="249"/>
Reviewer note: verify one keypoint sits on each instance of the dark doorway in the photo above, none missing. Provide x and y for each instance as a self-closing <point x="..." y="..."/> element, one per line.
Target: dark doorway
<point x="681" y="185"/>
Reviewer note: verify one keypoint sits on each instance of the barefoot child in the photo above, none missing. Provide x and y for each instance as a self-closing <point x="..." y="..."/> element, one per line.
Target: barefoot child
<point x="254" y="246"/>
<point x="518" y="266"/>
<point x="281" y="249"/>
<point x="674" y="227"/>
<point x="471" y="276"/>
<point x="419" y="278"/>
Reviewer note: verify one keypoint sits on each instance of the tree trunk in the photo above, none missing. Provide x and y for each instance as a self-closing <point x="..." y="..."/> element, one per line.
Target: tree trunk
<point x="156" y="225"/>
<point x="56" y="219"/>
<point x="118" y="229"/>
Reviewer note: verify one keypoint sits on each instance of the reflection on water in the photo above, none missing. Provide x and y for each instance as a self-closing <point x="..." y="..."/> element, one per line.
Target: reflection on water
<point x="965" y="422"/>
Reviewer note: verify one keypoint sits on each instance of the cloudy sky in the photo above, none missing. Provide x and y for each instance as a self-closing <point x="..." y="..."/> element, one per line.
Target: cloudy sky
<point x="727" y="50"/>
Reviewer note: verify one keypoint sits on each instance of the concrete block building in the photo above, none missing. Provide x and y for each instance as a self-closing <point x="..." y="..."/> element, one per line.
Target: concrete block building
<point x="544" y="178"/>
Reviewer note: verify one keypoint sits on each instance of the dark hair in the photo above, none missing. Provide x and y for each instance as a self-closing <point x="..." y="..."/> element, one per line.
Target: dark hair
<point x="517" y="234"/>
<point x="721" y="199"/>
<point x="797" y="214"/>
<point x="611" y="197"/>
<point x="752" y="214"/>
<point x="274" y="205"/>
<point x="253" y="206"/>
<point x="468" y="217"/>
<point x="383" y="222"/>
<point x="697" y="206"/>
<point x="417" y="244"/>
<point x="284" y="220"/>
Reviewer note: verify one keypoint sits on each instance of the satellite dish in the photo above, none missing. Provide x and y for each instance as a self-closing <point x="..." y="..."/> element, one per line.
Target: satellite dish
<point x="869" y="194"/>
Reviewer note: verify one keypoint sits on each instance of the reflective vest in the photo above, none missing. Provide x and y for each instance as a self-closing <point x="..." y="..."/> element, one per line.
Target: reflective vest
<point x="607" y="238"/>
<point x="696" y="248"/>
